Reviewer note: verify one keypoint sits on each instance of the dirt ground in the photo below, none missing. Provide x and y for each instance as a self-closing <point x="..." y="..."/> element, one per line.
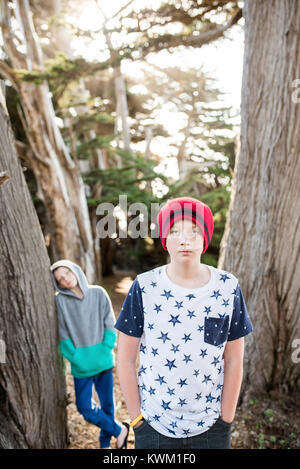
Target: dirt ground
<point x="266" y="422"/>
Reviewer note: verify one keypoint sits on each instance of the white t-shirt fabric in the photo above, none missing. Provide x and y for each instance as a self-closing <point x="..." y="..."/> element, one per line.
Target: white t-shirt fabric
<point x="183" y="334"/>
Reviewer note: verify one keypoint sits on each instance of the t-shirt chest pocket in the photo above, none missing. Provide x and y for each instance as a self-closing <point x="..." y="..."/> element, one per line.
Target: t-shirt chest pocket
<point x="216" y="330"/>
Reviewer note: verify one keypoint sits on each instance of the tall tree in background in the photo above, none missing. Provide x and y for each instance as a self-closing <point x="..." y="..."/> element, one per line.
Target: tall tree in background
<point x="121" y="121"/>
<point x="188" y="94"/>
<point x="32" y="389"/>
<point x="58" y="175"/>
<point x="262" y="238"/>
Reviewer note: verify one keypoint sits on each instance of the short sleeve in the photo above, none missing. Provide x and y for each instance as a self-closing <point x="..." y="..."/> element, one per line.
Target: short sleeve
<point x="240" y="322"/>
<point x="131" y="317"/>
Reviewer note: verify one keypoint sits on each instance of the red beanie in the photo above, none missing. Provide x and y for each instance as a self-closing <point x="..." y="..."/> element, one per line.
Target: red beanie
<point x="189" y="208"/>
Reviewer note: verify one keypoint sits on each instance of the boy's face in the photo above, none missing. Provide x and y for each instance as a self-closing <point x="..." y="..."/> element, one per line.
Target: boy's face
<point x="65" y="278"/>
<point x="185" y="241"/>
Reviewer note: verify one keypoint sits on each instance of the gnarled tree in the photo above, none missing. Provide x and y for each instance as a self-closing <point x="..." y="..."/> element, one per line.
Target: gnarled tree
<point x="262" y="237"/>
<point x="32" y="387"/>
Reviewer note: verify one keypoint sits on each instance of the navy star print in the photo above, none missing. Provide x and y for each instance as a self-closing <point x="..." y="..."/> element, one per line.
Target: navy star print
<point x="164" y="337"/>
<point x="167" y="294"/>
<point x="174" y="319"/>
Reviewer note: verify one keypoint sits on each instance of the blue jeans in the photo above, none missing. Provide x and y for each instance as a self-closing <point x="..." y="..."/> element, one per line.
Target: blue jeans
<point x="87" y="407"/>
<point x="217" y="437"/>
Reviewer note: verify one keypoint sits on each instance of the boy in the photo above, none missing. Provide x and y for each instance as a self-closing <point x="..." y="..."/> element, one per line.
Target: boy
<point x="87" y="339"/>
<point x="188" y="321"/>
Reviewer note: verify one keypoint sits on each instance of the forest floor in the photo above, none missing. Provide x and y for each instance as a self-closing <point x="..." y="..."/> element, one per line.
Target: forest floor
<point x="270" y="421"/>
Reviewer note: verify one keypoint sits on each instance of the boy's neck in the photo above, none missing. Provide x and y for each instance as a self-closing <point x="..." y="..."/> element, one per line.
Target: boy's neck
<point x="77" y="291"/>
<point x="191" y="274"/>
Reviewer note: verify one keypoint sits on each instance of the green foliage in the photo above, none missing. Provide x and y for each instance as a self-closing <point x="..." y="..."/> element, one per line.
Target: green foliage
<point x="85" y="147"/>
<point x="55" y="69"/>
<point x="130" y="179"/>
<point x="87" y="121"/>
<point x="58" y="72"/>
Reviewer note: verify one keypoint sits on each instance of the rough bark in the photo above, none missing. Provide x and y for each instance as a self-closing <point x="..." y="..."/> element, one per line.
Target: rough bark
<point x="32" y="385"/>
<point x="262" y="237"/>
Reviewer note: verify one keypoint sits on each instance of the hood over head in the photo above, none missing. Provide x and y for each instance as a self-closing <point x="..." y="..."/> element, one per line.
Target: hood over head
<point x="77" y="271"/>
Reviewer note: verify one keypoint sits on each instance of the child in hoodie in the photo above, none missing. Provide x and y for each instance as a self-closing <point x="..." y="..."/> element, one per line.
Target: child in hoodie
<point x="87" y="339"/>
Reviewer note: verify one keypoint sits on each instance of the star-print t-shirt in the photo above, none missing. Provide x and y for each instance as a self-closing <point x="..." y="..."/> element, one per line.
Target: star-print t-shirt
<point x="183" y="334"/>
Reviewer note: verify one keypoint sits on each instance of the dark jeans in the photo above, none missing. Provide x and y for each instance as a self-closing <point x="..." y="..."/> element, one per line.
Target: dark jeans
<point x="104" y="417"/>
<point x="217" y="437"/>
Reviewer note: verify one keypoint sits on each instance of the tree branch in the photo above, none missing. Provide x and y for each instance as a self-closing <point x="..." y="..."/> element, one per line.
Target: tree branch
<point x="9" y="74"/>
<point x="3" y="177"/>
<point x="30" y="139"/>
<point x="169" y="41"/>
<point x="9" y="35"/>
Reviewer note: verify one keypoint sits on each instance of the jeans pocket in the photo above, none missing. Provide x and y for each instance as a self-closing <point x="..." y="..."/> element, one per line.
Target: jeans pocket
<point x="225" y="424"/>
<point x="145" y="437"/>
<point x="140" y="427"/>
<point x="219" y="435"/>
<point x="216" y="330"/>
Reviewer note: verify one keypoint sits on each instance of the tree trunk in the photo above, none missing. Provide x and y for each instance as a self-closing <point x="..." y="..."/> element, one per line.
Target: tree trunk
<point x="32" y="385"/>
<point x="181" y="155"/>
<point x="58" y="175"/>
<point x="62" y="43"/>
<point x="122" y="107"/>
<point x="262" y="236"/>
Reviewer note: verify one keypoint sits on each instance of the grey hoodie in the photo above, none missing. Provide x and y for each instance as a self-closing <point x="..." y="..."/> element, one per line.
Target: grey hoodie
<point x="86" y="325"/>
